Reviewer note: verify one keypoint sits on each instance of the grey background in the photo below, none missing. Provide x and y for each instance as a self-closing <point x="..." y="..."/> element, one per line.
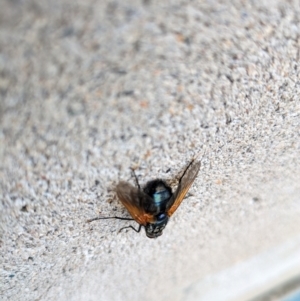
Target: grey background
<point x="91" y="88"/>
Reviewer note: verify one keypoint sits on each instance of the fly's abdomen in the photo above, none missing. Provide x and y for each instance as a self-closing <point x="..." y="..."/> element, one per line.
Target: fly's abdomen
<point x="160" y="193"/>
<point x="160" y="197"/>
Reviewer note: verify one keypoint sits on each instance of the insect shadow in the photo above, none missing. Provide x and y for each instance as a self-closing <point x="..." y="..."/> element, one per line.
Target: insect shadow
<point x="153" y="205"/>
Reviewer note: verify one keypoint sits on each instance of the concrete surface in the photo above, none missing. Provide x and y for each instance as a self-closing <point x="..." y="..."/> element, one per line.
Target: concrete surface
<point x="91" y="88"/>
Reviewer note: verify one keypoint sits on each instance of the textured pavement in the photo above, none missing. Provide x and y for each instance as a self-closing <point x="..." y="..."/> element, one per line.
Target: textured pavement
<point x="89" y="89"/>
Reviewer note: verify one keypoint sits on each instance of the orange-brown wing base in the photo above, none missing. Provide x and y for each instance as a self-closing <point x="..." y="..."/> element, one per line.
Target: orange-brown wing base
<point x="184" y="186"/>
<point x="130" y="196"/>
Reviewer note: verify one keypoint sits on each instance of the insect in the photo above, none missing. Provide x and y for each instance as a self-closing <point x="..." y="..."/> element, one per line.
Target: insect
<point x="152" y="206"/>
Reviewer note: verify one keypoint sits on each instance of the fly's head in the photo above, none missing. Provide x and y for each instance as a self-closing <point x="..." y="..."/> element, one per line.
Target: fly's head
<point x="155" y="229"/>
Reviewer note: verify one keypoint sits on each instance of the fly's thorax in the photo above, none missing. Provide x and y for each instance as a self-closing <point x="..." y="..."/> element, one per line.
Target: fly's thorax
<point x="155" y="229"/>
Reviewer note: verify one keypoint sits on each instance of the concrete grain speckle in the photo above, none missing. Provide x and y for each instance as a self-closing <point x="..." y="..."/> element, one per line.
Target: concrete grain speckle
<point x="89" y="89"/>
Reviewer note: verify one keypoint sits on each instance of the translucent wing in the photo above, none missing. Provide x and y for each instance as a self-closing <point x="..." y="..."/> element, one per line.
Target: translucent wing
<point x="184" y="185"/>
<point x="132" y="199"/>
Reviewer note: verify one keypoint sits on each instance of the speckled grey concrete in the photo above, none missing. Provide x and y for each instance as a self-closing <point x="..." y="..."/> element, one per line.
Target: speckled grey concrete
<point x="91" y="88"/>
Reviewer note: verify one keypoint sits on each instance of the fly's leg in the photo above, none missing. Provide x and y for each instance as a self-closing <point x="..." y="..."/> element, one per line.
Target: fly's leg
<point x="136" y="179"/>
<point x="109" y="217"/>
<point x="136" y="230"/>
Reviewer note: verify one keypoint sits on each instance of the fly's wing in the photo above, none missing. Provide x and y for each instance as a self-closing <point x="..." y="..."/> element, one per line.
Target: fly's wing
<point x="184" y="185"/>
<point x="131" y="198"/>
